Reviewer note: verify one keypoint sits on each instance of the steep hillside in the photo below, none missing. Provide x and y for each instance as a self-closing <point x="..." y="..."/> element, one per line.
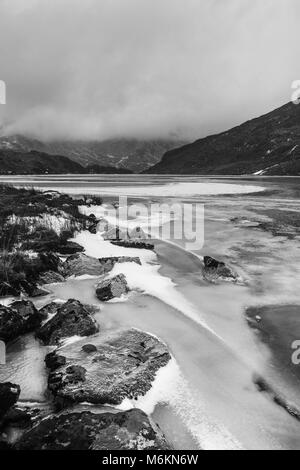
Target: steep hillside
<point x="268" y="145"/>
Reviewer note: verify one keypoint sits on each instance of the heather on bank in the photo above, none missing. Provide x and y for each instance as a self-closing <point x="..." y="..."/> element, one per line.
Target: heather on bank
<point x="34" y="227"/>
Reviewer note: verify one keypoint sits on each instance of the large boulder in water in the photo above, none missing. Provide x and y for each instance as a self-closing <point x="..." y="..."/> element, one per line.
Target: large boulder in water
<point x="72" y="319"/>
<point x="11" y="324"/>
<point x="19" y="318"/>
<point x="129" y="430"/>
<point x="124" y="365"/>
<point x="215" y="270"/>
<point x="31" y="316"/>
<point x="9" y="395"/>
<point x="108" y="289"/>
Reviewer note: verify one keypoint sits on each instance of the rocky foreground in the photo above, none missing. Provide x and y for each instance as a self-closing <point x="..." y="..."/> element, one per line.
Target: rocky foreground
<point x="93" y="367"/>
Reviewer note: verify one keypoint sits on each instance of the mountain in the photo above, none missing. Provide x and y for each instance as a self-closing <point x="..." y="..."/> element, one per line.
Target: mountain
<point x="268" y="145"/>
<point x="33" y="162"/>
<point x="132" y="154"/>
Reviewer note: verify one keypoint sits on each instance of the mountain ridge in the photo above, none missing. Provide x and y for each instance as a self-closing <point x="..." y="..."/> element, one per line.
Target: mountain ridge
<point x="265" y="145"/>
<point x="34" y="162"/>
<point x="132" y="154"/>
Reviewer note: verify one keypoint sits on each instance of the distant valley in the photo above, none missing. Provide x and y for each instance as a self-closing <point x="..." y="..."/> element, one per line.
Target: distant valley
<point x="129" y="154"/>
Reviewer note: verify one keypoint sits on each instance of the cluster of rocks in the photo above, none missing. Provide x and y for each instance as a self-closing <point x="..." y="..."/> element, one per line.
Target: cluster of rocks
<point x="104" y="370"/>
<point x="215" y="271"/>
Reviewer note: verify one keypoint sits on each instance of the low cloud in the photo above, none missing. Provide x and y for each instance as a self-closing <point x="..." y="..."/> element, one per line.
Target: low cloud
<point x="95" y="69"/>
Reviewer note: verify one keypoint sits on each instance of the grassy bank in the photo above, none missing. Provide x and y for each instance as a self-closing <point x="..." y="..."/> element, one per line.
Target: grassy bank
<point x="34" y="226"/>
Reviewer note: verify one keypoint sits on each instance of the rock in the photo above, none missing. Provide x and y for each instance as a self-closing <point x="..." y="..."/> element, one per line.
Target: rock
<point x="215" y="270"/>
<point x="93" y="228"/>
<point x="50" y="277"/>
<point x="71" y="319"/>
<point x="17" y="417"/>
<point x="32" y="290"/>
<point x="53" y="360"/>
<point x="12" y="324"/>
<point x="89" y="348"/>
<point x="50" y="261"/>
<point x="49" y="309"/>
<point x="92" y="224"/>
<point x="37" y="292"/>
<point x="114" y="233"/>
<point x="111" y="288"/>
<point x="29" y="313"/>
<point x="137" y="233"/>
<point x="127" y="430"/>
<point x="9" y="395"/>
<point x="7" y="290"/>
<point x="80" y="264"/>
<point x="134" y="244"/>
<point x="108" y="263"/>
<point x="70" y="248"/>
<point x="124" y="366"/>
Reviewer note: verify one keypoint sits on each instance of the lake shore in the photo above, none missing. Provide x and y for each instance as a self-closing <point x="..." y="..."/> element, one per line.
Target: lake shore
<point x="213" y="347"/>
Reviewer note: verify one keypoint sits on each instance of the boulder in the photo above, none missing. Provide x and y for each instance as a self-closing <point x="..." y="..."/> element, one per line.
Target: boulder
<point x="137" y="233"/>
<point x="89" y="348"/>
<point x="127" y="430"/>
<point x="111" y="288"/>
<point x="133" y="244"/>
<point x="31" y="289"/>
<point x="18" y="418"/>
<point x="54" y="360"/>
<point x="50" y="261"/>
<point x="114" y="233"/>
<point x="9" y="395"/>
<point x="80" y="264"/>
<point x="12" y="324"/>
<point x="31" y="316"/>
<point x="71" y="319"/>
<point x="7" y="290"/>
<point x="108" y="263"/>
<point x="124" y="365"/>
<point x="215" y="270"/>
<point x="49" y="309"/>
<point x="70" y="248"/>
<point x="50" y="277"/>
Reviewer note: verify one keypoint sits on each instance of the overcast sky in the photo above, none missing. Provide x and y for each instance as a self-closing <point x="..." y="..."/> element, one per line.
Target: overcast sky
<point x="94" y="69"/>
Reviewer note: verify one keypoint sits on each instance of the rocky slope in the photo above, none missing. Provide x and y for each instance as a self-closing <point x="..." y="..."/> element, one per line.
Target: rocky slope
<point x="268" y="145"/>
<point x="131" y="154"/>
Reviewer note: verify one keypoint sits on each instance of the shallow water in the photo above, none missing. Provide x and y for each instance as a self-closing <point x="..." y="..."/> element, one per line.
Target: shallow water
<point x="211" y="394"/>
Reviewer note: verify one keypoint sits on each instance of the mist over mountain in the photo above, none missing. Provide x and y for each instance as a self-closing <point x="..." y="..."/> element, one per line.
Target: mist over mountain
<point x="97" y="70"/>
<point x="131" y="154"/>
